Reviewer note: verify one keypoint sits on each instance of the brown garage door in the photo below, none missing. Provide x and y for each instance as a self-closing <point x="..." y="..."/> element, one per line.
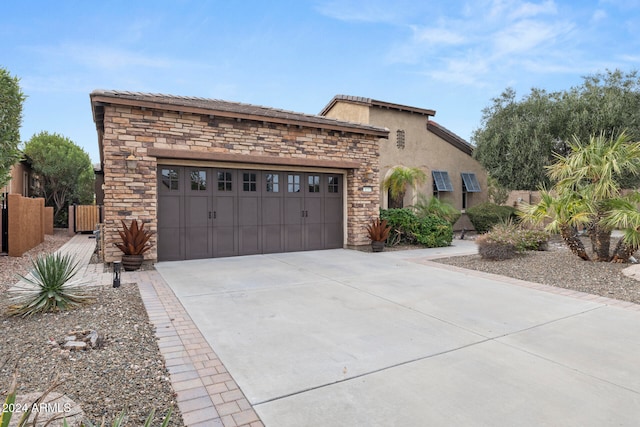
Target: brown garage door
<point x="217" y="212"/>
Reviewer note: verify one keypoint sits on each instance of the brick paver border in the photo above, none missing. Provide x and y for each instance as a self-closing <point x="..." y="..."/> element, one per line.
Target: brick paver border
<point x="207" y="395"/>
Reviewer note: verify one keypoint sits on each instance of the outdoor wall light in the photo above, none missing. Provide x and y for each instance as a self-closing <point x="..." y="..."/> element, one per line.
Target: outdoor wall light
<point x="132" y="162"/>
<point x="368" y="175"/>
<point x="117" y="266"/>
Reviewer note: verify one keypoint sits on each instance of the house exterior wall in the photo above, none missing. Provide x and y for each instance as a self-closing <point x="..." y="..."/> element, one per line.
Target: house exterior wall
<point x="355" y="113"/>
<point x="427" y="151"/>
<point x="133" y="194"/>
<point x="422" y="149"/>
<point x="19" y="183"/>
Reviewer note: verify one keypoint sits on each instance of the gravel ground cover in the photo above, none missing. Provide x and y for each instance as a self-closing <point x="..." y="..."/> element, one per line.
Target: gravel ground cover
<point x="559" y="267"/>
<point x="126" y="372"/>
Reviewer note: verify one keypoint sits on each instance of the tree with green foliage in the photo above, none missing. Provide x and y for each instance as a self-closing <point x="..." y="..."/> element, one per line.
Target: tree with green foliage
<point x="11" y="100"/>
<point x="588" y="191"/>
<point x="399" y="181"/>
<point x="497" y="193"/>
<point x="518" y="139"/>
<point x="65" y="169"/>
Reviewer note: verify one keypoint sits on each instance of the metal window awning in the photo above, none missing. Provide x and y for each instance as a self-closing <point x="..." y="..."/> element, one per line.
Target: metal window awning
<point x="471" y="183"/>
<point x="442" y="181"/>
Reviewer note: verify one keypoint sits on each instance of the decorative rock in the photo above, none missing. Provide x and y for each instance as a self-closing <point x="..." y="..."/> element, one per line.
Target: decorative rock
<point x="75" y="345"/>
<point x="83" y="340"/>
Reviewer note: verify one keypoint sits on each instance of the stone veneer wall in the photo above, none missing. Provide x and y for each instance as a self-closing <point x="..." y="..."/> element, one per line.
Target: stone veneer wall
<point x="133" y="194"/>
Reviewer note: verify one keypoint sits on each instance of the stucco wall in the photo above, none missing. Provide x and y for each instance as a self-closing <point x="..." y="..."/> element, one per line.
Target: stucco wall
<point x="16" y="184"/>
<point x="427" y="151"/>
<point x="133" y="194"/>
<point x="349" y="112"/>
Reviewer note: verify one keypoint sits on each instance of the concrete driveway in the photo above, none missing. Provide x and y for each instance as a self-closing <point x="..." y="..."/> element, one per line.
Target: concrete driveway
<point x="346" y="338"/>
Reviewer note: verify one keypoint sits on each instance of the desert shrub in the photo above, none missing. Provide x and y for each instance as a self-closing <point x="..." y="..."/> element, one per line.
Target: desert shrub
<point x="49" y="286"/>
<point x="485" y="215"/>
<point x="493" y="247"/>
<point x="506" y="239"/>
<point x="534" y="240"/>
<point x="427" y="230"/>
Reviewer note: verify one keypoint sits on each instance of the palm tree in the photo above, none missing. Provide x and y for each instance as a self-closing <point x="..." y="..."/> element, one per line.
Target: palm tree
<point x="588" y="192"/>
<point x="400" y="179"/>
<point x="564" y="213"/>
<point x="595" y="169"/>
<point x="623" y="213"/>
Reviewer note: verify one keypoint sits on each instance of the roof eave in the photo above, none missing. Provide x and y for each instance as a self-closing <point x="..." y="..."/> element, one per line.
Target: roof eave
<point x="451" y="139"/>
<point x="375" y="103"/>
<point x="97" y="99"/>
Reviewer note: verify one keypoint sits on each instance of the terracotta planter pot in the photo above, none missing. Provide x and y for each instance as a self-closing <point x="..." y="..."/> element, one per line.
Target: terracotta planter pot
<point x="132" y="262"/>
<point x="377" y="246"/>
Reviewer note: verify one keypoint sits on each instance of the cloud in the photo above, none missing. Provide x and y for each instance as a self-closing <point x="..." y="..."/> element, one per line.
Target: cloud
<point x="437" y="36"/>
<point x="529" y="10"/>
<point x="599" y="15"/>
<point x="524" y="36"/>
<point x="369" y="11"/>
<point x="110" y="58"/>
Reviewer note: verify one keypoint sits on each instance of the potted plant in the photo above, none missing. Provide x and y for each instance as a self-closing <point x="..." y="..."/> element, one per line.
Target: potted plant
<point x="378" y="232"/>
<point x="135" y="242"/>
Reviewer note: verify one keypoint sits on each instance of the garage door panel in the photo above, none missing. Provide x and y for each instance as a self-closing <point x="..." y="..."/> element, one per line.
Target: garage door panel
<point x="171" y="207"/>
<point x="170" y="244"/>
<point x="313" y="211"/>
<point x="314" y="236"/>
<point x="333" y="236"/>
<point x="198" y="243"/>
<point x="249" y="240"/>
<point x="271" y="212"/>
<point x="272" y="239"/>
<point x="197" y="211"/>
<point x="226" y="212"/>
<point x="293" y="210"/>
<point x="248" y="211"/>
<point x="224" y="243"/>
<point x="332" y="210"/>
<point x="293" y="238"/>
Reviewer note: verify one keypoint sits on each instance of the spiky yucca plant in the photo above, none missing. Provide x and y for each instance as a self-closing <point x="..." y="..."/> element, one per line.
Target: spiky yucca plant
<point x="135" y="239"/>
<point x="49" y="286"/>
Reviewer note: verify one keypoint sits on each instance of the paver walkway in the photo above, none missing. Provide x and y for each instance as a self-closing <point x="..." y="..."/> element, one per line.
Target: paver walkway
<point x="206" y="394"/>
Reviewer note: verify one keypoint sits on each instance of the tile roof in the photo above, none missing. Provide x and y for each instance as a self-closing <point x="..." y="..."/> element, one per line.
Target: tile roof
<point x="229" y="109"/>
<point x="375" y="103"/>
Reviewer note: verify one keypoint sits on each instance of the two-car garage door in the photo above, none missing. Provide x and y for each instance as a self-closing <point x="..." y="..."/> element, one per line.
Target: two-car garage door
<point x="216" y="212"/>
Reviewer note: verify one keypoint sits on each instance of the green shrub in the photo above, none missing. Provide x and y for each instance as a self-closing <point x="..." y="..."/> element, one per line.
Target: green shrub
<point x="427" y="230"/>
<point x="485" y="215"/>
<point x="49" y="286"/>
<point x="437" y="207"/>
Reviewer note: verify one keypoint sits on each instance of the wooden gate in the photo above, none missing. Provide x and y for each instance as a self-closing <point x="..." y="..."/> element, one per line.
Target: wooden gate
<point x="87" y="217"/>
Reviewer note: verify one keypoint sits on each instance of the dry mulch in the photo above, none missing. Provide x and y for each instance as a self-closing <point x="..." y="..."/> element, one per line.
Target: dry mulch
<point x="559" y="267"/>
<point x="126" y="372"/>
